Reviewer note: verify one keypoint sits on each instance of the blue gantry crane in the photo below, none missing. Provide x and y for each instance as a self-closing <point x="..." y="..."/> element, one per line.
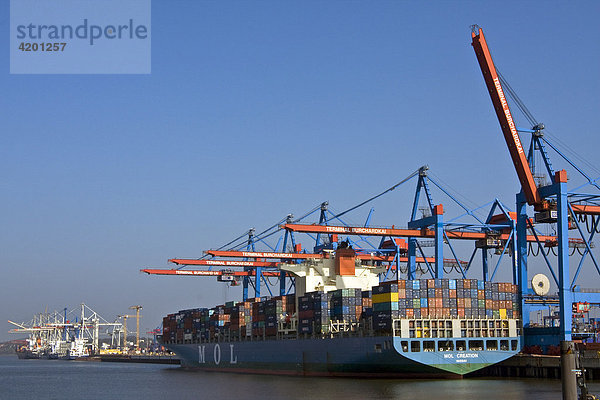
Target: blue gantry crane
<point x="552" y="203"/>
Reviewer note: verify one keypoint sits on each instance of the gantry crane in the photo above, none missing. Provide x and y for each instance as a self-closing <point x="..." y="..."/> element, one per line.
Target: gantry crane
<point x="440" y="234"/>
<point x="124" y="345"/>
<point x="258" y="264"/>
<point x="551" y="203"/>
<point x="155" y="332"/>
<point x="137" y="323"/>
<point x="137" y="318"/>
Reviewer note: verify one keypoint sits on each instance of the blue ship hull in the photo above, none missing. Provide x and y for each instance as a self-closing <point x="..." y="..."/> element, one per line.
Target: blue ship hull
<point x="371" y="357"/>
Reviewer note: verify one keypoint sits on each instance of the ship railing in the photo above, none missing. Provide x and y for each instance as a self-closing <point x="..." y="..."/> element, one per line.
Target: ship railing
<point x="287" y="328"/>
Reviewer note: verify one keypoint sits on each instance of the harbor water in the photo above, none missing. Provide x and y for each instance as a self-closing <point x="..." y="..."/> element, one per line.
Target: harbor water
<point x="54" y="379"/>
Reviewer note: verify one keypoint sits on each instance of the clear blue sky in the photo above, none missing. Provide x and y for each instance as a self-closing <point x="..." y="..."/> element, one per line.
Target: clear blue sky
<point x="257" y="109"/>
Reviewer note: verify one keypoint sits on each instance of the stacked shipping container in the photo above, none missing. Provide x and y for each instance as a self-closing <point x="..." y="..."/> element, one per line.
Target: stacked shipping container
<point x="403" y="299"/>
<point x="346" y="305"/>
<point x="443" y="299"/>
<point x="314" y="313"/>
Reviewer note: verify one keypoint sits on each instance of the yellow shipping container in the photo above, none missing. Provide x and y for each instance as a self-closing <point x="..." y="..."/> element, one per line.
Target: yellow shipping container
<point x="385" y="297"/>
<point x="503" y="313"/>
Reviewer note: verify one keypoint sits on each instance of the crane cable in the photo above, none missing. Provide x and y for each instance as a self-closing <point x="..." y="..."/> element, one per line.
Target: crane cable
<point x="260" y="236"/>
<point x="534" y="122"/>
<point x="532" y="252"/>
<point x="519" y="103"/>
<point x="594" y="224"/>
<point x="517" y="100"/>
<point x="377" y="196"/>
<point x="277" y="279"/>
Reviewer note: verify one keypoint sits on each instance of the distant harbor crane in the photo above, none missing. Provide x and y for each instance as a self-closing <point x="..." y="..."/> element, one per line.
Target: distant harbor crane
<point x="137" y="318"/>
<point x="137" y="323"/>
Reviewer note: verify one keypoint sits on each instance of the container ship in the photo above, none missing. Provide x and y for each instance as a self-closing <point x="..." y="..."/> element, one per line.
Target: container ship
<point x="342" y="321"/>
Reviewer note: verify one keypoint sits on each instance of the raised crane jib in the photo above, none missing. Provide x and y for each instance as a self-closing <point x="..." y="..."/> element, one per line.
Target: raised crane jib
<point x="515" y="147"/>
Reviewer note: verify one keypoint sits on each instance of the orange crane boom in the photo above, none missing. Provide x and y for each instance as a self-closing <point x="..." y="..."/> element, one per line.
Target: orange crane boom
<point x="192" y="272"/>
<point x="585" y="209"/>
<point x="291" y="256"/>
<point x="394" y="232"/>
<point x="223" y="263"/>
<point x="261" y="254"/>
<point x="509" y="130"/>
<point x="511" y="136"/>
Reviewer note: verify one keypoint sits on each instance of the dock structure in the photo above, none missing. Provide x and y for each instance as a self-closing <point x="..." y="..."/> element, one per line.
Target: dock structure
<point x="544" y="366"/>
